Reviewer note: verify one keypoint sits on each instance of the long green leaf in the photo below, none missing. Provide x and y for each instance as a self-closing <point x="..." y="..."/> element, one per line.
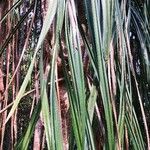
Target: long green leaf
<point x="48" y="20"/>
<point x="25" y="139"/>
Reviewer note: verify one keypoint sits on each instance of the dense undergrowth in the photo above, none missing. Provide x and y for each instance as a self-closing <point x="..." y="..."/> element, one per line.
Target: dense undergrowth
<point x="74" y="74"/>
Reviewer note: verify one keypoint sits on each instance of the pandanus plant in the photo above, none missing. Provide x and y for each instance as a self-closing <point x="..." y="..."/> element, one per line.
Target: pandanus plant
<point x="74" y="74"/>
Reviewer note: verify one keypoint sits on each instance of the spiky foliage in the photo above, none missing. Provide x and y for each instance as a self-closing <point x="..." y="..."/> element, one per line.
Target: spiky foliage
<point x="74" y="74"/>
